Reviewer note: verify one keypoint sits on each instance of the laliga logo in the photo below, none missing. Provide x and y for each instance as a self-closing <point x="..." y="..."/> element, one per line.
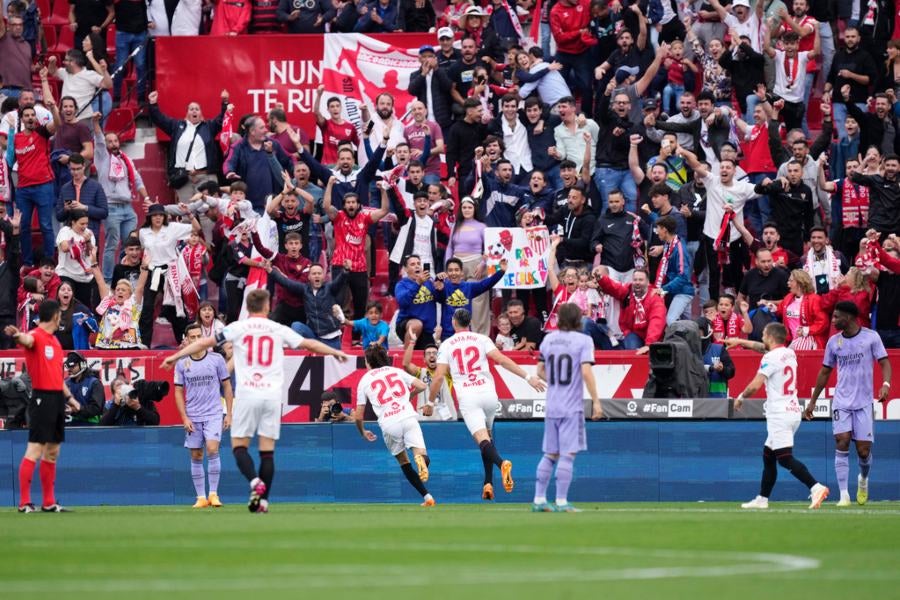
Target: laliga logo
<point x="632" y="406"/>
<point x="395" y="406"/>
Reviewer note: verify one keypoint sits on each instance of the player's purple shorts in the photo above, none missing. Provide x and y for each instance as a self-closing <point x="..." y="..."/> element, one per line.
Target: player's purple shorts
<point x="208" y="429"/>
<point x="565" y="435"/>
<point x="860" y="422"/>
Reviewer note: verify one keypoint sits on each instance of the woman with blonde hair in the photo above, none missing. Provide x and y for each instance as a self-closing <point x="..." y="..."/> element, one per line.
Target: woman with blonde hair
<point x="802" y="314"/>
<point x="853" y="287"/>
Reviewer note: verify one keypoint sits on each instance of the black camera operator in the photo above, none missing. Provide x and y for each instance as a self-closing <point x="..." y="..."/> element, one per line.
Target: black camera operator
<point x="87" y="388"/>
<point x="332" y="411"/>
<point x="134" y="406"/>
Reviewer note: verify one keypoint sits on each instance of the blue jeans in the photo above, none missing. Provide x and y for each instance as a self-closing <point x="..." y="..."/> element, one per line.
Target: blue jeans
<point x="27" y="199"/>
<point x="101" y="104"/>
<point x="304" y="330"/>
<point x="125" y="45"/>
<point x="752" y="101"/>
<point x="599" y="333"/>
<point x="632" y="341"/>
<point x="672" y="92"/>
<point x="810" y="80"/>
<point x="607" y="180"/>
<point x="702" y="278"/>
<point x="680" y="308"/>
<point x="839" y="115"/>
<point x="120" y="221"/>
<point x="546" y="35"/>
<point x="757" y="211"/>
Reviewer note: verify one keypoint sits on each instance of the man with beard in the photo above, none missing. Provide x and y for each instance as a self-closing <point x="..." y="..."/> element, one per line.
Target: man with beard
<point x="79" y="82"/>
<point x="35" y="185"/>
<point x="416" y="134"/>
<point x="628" y="54"/>
<point x="72" y="137"/>
<point x="688" y="114"/>
<point x="884" y="196"/>
<point x="800" y="152"/>
<point x="855" y="67"/>
<point x="386" y="125"/>
<point x="539" y="128"/>
<point x="443" y="408"/>
<point x="824" y="264"/>
<point x="432" y="87"/>
<point x="350" y="227"/>
<point x="251" y="162"/>
<point x="792" y="206"/>
<point x="447" y="55"/>
<point x="278" y="131"/>
<point x="418" y="235"/>
<point x="15" y="68"/>
<point x="764" y="283"/>
<point x="462" y="73"/>
<point x="613" y="145"/>
<point x="465" y="135"/>
<point x="291" y="210"/>
<point x="569" y="175"/>
<point x="577" y="225"/>
<point x="643" y="318"/>
<point x="877" y="129"/>
<point x="709" y="132"/>
<point x="121" y="182"/>
<point x="850" y="208"/>
<point x="571" y="137"/>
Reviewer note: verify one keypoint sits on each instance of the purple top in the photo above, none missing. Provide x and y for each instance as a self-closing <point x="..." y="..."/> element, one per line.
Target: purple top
<point x="563" y="353"/>
<point x="853" y="357"/>
<point x="467" y="239"/>
<point x="202" y="380"/>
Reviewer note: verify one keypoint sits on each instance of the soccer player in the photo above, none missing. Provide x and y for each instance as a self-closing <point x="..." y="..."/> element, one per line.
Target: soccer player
<point x="565" y="361"/>
<point x="47" y="408"/>
<point x="852" y="351"/>
<point x="778" y="372"/>
<point x="388" y="388"/>
<point x="198" y="380"/>
<point x="259" y="369"/>
<point x="465" y="355"/>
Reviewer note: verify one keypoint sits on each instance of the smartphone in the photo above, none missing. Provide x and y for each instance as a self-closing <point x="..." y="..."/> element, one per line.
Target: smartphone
<point x="426" y="267"/>
<point x="370" y="127"/>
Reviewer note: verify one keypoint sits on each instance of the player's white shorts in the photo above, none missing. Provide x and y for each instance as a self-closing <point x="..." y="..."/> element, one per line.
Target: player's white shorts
<point x="781" y="430"/>
<point x="257" y="416"/>
<point x="479" y="413"/>
<point x="400" y="435"/>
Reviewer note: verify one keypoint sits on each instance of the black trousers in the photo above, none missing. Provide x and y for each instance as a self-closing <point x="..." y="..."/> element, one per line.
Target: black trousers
<point x="357" y="285"/>
<point x="148" y="316"/>
<point x="729" y="275"/>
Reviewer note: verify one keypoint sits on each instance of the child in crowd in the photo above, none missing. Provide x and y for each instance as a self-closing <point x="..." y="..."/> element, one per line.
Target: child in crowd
<point x="504" y="340"/>
<point x="372" y="329"/>
<point x="728" y="323"/>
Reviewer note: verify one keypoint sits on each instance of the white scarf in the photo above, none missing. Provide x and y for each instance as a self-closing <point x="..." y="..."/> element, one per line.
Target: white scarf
<point x="831" y="266"/>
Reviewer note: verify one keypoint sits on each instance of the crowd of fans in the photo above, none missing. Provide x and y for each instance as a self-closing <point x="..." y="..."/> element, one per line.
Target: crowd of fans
<point x="738" y="162"/>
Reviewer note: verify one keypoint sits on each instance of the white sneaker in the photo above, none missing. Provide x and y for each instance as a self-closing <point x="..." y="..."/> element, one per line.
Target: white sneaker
<point x="757" y="503"/>
<point x="843" y="503"/>
<point x="818" y="493"/>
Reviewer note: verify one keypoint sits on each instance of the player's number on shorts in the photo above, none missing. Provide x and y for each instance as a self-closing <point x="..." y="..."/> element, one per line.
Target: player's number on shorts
<point x="389" y="388"/>
<point x="469" y="364"/>
<point x="559" y="371"/>
<point x="263" y="353"/>
<point x="789" y="381"/>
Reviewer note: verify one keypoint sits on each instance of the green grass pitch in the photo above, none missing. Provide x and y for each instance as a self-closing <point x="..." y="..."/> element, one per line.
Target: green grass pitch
<point x="488" y="552"/>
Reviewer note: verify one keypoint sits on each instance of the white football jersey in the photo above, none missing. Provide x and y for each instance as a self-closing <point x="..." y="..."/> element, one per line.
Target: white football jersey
<point x="259" y="356"/>
<point x="387" y="389"/>
<point x="466" y="355"/>
<point x="779" y="367"/>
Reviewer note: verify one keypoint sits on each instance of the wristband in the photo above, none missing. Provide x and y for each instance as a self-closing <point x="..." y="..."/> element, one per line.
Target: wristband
<point x="740" y="397"/>
<point x="886" y="384"/>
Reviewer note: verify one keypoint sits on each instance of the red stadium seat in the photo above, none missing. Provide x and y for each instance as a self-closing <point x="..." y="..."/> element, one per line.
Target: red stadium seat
<point x="45" y="9"/>
<point x="381" y="261"/>
<point x="59" y="15"/>
<point x="65" y="42"/>
<point x="111" y="43"/>
<point x="121" y="122"/>
<point x="50" y="35"/>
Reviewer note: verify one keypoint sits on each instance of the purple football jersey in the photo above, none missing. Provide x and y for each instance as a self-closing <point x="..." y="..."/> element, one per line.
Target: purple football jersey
<point x="563" y="353"/>
<point x="202" y="381"/>
<point x="854" y="357"/>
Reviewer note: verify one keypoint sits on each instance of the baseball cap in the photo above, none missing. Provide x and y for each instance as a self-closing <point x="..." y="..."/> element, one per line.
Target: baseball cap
<point x="426" y="48"/>
<point x="744" y="3"/>
<point x="622" y="73"/>
<point x="475" y="11"/>
<point x="650" y="104"/>
<point x="445" y="32"/>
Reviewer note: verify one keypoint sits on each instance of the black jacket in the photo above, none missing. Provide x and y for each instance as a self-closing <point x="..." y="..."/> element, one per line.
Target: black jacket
<point x="612" y="150"/>
<point x="318" y="305"/>
<point x="441" y="99"/>
<point x="206" y="135"/>
<point x="462" y="140"/>
<point x="310" y="10"/>
<point x="884" y="201"/>
<point x="718" y="133"/>
<point x="614" y="231"/>
<point x="9" y="272"/>
<point x="792" y="210"/>
<point x="577" y="232"/>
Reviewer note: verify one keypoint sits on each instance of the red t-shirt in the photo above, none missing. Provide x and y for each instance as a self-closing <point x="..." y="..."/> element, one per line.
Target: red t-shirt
<point x="350" y="239"/>
<point x="33" y="155"/>
<point x="44" y="361"/>
<point x="332" y="134"/>
<point x="757" y="156"/>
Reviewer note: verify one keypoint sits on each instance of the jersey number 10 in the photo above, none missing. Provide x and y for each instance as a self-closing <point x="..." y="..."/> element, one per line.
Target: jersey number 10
<point x="559" y="370"/>
<point x="264" y="347"/>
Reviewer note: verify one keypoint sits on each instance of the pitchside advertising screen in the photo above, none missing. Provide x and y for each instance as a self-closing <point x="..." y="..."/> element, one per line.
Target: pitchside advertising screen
<point x="620" y="382"/>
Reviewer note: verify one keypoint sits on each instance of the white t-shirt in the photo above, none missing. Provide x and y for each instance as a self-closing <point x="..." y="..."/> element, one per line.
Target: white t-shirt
<point x="779" y="367"/>
<point x="69" y="265"/>
<point x="387" y="390"/>
<point x="81" y="86"/>
<point x="752" y="28"/>
<point x="259" y="355"/>
<point x="422" y="241"/>
<point x="717" y="196"/>
<point x="466" y="355"/>
<point x="197" y="158"/>
<point x="161" y="245"/>
<point x="790" y="76"/>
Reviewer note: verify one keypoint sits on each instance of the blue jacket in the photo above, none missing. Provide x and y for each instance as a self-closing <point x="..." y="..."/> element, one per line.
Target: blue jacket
<point x="318" y="305"/>
<point x="389" y="18"/>
<point x="357" y="182"/>
<point x="90" y="395"/>
<point x="416" y="301"/>
<point x="502" y="200"/>
<point x="256" y="170"/>
<point x="460" y="295"/>
<point x="678" y="272"/>
<point x="92" y="196"/>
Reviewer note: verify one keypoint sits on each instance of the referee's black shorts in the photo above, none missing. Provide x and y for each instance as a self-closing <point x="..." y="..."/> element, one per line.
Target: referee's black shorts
<point x="46" y="417"/>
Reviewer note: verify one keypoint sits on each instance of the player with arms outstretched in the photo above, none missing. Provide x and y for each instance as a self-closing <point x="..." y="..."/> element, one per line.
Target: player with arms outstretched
<point x="387" y="389"/>
<point x="465" y="355"/>
<point x="259" y="368"/>
<point x="565" y="361"/>
<point x="778" y="372"/>
<point x="852" y="351"/>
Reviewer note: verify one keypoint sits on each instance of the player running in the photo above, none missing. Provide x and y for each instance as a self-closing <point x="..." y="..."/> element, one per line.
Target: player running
<point x="259" y="369"/>
<point x="387" y="389"/>
<point x="465" y="355"/>
<point x="852" y="351"/>
<point x="778" y="372"/>
<point x="199" y="378"/>
<point x="565" y="361"/>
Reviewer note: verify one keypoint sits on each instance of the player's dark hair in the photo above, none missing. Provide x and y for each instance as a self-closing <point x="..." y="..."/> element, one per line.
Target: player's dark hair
<point x="257" y="301"/>
<point x="462" y="318"/>
<point x="777" y="332"/>
<point x="730" y="297"/>
<point x="47" y="310"/>
<point x="569" y="317"/>
<point x="892" y="156"/>
<point x="75" y="215"/>
<point x="377" y="356"/>
<point x="660" y="189"/>
<point x="710" y="304"/>
<point x="848" y="308"/>
<point x="430" y="346"/>
<point x="191" y="327"/>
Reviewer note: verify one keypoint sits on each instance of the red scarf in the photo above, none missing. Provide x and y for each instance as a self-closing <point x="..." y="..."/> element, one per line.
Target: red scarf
<point x="723" y="239"/>
<point x="731" y="328"/>
<point x="791" y="69"/>
<point x="637" y="243"/>
<point x="227" y="129"/>
<point x="193" y="258"/>
<point x="5" y="195"/>
<point x="664" y="262"/>
<point x="854" y="205"/>
<point x="129" y="168"/>
<point x="80" y="254"/>
<point x="640" y="315"/>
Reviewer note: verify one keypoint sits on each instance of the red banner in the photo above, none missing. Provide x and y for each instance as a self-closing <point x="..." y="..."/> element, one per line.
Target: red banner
<point x="259" y="71"/>
<point x="619" y="375"/>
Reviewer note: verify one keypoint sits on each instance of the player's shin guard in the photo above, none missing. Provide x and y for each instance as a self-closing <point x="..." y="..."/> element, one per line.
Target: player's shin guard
<point x="798" y="469"/>
<point x="198" y="477"/>
<point x="267" y="470"/>
<point x="542" y="480"/>
<point x="215" y="470"/>
<point x="565" y="471"/>
<point x="865" y="464"/>
<point x="770" y="472"/>
<point x="842" y="469"/>
<point x="413" y="478"/>
<point x="48" y="482"/>
<point x="26" y="474"/>
<point x="244" y="463"/>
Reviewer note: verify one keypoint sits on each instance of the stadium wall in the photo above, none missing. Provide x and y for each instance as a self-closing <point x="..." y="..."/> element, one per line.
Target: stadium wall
<point x="644" y="461"/>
